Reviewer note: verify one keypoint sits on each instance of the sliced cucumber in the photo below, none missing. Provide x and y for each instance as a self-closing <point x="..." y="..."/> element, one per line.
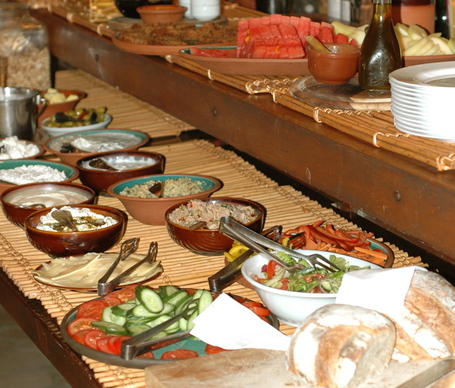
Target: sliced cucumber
<point x="137" y="322"/>
<point x="183" y="324"/>
<point x="183" y="304"/>
<point x="109" y="316"/>
<point x="170" y="290"/>
<point x="137" y="329"/>
<point x="158" y="320"/>
<point x="205" y="300"/>
<point x="177" y="297"/>
<point x="149" y="299"/>
<point x="193" y="316"/>
<point x="110" y="328"/>
<point x="122" y="309"/>
<point x="172" y="328"/>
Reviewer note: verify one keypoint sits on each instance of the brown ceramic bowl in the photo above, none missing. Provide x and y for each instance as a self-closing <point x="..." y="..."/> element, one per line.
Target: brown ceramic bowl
<point x="52" y="109"/>
<point x="161" y="14"/>
<point x="151" y="211"/>
<point x="15" y="199"/>
<point x="63" y="244"/>
<point x="211" y="242"/>
<point x="26" y="153"/>
<point x="70" y="172"/>
<point x="337" y="67"/>
<point x="128" y="164"/>
<point x="54" y="144"/>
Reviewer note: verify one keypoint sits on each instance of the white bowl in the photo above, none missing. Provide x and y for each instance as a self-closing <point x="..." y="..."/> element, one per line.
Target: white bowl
<point x="64" y="130"/>
<point x="291" y="307"/>
<point x="205" y="13"/>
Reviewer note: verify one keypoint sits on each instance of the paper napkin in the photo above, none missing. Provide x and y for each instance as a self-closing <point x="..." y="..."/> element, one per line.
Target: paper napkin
<point x="229" y="325"/>
<point x="383" y="290"/>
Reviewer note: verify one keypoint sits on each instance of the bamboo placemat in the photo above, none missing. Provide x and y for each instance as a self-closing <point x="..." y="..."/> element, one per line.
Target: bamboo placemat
<point x="285" y="206"/>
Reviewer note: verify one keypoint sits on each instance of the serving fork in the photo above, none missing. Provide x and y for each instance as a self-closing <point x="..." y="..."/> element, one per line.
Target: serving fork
<point x="259" y="244"/>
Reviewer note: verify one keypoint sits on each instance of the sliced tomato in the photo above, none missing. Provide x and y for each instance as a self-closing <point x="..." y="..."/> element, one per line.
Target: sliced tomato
<point x="79" y="324"/>
<point x="148" y="355"/>
<point x="115" y="343"/>
<point x="112" y="300"/>
<point x="251" y="303"/>
<point x="125" y="294"/>
<point x="80" y="336"/>
<point x="212" y="349"/>
<point x="92" y="336"/>
<point x="179" y="354"/>
<point x="102" y="344"/>
<point x="261" y="311"/>
<point x="92" y="309"/>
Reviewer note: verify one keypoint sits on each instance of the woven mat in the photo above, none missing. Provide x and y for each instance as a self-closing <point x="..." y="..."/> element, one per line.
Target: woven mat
<point x="285" y="206"/>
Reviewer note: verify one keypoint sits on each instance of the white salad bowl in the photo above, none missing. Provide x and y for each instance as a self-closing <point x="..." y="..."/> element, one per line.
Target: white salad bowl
<point x="292" y="307"/>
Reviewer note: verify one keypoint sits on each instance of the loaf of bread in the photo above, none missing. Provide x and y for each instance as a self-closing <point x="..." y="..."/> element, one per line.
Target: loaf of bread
<point x="425" y="326"/>
<point x="341" y="346"/>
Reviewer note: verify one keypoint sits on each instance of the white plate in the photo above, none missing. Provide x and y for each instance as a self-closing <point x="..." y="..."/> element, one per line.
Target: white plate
<point x="432" y="75"/>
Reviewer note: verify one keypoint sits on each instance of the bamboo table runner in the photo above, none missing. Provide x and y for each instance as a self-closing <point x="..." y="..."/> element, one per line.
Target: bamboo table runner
<point x="285" y="206"/>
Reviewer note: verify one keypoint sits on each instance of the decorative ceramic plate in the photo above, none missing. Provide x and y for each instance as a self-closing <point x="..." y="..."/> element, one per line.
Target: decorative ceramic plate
<point x="248" y="66"/>
<point x="187" y="343"/>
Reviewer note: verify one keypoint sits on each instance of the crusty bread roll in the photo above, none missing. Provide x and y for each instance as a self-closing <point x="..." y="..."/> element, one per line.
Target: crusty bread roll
<point x="341" y="346"/>
<point x="425" y="326"/>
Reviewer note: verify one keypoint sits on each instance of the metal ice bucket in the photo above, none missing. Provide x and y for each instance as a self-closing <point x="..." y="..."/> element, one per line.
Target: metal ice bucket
<point x="18" y="112"/>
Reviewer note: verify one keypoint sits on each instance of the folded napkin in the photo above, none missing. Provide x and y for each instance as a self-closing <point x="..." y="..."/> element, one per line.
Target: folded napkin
<point x="229" y="325"/>
<point x="383" y="290"/>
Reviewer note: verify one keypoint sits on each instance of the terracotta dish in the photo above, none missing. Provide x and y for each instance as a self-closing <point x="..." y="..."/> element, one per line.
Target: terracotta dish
<point x="335" y="67"/>
<point x="51" y="109"/>
<point x="63" y="244"/>
<point x="161" y="14"/>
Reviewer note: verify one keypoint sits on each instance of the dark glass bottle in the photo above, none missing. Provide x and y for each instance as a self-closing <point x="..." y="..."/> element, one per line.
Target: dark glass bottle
<point x="442" y="18"/>
<point x="380" y="53"/>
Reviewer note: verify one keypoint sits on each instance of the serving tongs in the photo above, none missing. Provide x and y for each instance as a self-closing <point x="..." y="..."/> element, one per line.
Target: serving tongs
<point x="231" y="272"/>
<point x="259" y="244"/>
<point x="126" y="249"/>
<point x="141" y="343"/>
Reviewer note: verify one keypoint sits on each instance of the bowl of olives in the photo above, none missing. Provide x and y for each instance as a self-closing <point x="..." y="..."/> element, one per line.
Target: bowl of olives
<point x="76" y="120"/>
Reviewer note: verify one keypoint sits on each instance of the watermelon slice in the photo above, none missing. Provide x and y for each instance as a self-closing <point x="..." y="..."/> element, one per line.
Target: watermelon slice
<point x="314" y="28"/>
<point x="325" y="34"/>
<point x="341" y="38"/>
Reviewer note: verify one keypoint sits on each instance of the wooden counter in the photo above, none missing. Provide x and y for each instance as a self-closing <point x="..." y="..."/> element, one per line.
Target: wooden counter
<point x="407" y="198"/>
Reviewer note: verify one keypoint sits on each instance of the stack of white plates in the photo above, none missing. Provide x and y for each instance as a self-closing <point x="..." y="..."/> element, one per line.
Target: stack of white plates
<point x="423" y="100"/>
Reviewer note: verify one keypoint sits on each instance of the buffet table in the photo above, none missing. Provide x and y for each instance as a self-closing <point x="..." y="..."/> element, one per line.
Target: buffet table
<point x="39" y="308"/>
<point x="395" y="190"/>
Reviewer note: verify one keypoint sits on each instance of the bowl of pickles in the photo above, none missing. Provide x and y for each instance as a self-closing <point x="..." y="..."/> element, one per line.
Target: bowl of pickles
<point x="75" y="120"/>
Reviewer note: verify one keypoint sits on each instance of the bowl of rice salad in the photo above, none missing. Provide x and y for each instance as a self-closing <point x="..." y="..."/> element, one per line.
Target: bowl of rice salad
<point x="149" y="208"/>
<point x="205" y="215"/>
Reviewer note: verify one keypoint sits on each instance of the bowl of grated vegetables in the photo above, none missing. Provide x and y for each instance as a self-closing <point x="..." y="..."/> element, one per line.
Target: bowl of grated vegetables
<point x="294" y="296"/>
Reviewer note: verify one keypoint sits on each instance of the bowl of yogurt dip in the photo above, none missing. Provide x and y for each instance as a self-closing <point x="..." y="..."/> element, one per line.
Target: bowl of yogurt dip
<point x="103" y="170"/>
<point x="13" y="148"/>
<point x="99" y="228"/>
<point x="76" y="145"/>
<point x="21" y="172"/>
<point x="20" y="201"/>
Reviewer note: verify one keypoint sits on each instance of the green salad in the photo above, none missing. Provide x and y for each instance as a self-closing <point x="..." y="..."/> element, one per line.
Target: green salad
<point x="311" y="279"/>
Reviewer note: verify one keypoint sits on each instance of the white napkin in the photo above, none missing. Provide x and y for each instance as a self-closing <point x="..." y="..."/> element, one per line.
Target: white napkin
<point x="383" y="290"/>
<point x="229" y="325"/>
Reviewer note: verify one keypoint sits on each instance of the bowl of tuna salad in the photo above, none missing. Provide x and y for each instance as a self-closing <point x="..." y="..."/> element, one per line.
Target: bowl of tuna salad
<point x="194" y="224"/>
<point x="147" y="198"/>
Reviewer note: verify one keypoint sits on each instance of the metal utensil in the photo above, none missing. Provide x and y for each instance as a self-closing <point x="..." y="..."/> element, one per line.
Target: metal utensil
<point x="106" y="287"/>
<point x="127" y="248"/>
<point x="141" y="342"/>
<point x="101" y="164"/>
<point x="259" y="243"/>
<point x="430" y="375"/>
<point x="65" y="218"/>
<point x="231" y="272"/>
<point x="198" y="225"/>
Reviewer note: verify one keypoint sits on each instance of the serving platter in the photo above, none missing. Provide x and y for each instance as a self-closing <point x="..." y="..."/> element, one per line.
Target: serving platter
<point x="247" y="66"/>
<point x="74" y="283"/>
<point x="145" y="49"/>
<point x="187" y="343"/>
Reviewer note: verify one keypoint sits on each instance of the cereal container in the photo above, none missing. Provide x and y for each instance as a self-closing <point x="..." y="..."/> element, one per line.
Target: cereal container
<point x="24" y="51"/>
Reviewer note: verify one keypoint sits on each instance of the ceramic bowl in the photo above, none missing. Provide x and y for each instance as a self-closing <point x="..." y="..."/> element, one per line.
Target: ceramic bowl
<point x="291" y="307"/>
<point x="151" y="211"/>
<point x="57" y="131"/>
<point x="206" y="12"/>
<point x="128" y="164"/>
<point x="337" y="67"/>
<point x="211" y="242"/>
<point x="19" y="202"/>
<point x="104" y="140"/>
<point x="15" y="149"/>
<point x="63" y="244"/>
<point x="71" y="173"/>
<point x="161" y="14"/>
<point x="52" y="109"/>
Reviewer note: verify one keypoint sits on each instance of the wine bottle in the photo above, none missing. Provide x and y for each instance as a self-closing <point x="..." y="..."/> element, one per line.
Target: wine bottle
<point x="380" y="53"/>
<point x="442" y="18"/>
